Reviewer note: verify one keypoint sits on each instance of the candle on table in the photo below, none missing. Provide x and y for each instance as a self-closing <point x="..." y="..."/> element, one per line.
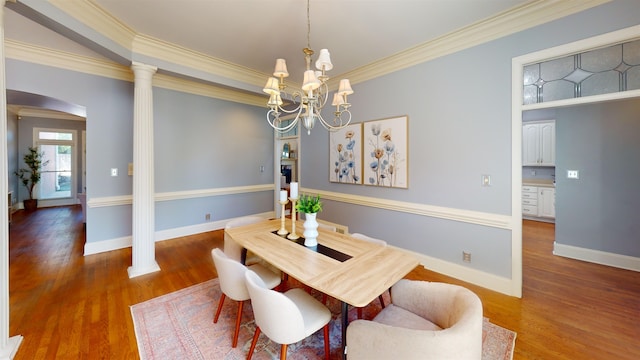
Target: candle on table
<point x="294" y="190"/>
<point x="283" y="195"/>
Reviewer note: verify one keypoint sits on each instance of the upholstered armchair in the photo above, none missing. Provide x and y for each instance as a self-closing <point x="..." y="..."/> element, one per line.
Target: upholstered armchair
<point x="425" y="320"/>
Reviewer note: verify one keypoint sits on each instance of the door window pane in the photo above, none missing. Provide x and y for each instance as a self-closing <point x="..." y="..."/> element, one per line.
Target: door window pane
<point x="56" y="178"/>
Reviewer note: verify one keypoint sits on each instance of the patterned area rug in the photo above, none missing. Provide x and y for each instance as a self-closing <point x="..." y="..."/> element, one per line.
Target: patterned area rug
<point x="180" y="325"/>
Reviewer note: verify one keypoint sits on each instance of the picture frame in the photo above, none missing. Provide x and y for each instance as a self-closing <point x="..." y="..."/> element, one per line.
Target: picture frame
<point x="345" y="155"/>
<point x="385" y="149"/>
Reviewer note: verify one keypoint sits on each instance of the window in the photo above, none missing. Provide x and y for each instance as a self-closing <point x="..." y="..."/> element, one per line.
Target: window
<point x="58" y="148"/>
<point x="602" y="71"/>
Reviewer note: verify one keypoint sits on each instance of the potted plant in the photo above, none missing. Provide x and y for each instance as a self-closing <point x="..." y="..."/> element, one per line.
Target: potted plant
<point x="310" y="206"/>
<point x="30" y="176"/>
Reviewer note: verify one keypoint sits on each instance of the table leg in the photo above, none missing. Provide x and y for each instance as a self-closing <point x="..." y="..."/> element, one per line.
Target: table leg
<point x="243" y="256"/>
<point x="345" y="323"/>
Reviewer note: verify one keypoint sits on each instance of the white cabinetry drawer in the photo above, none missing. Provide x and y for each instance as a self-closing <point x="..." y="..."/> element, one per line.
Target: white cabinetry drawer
<point x="529" y="189"/>
<point x="531" y="210"/>
<point x="527" y="201"/>
<point x="532" y="196"/>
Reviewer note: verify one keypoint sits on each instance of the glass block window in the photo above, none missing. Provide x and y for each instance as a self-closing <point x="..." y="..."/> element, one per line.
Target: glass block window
<point x="603" y="71"/>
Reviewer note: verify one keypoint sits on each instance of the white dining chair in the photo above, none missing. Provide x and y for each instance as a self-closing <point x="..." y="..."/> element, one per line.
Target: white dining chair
<point x="286" y="318"/>
<point x="374" y="241"/>
<point x="233" y="284"/>
<point x="231" y="248"/>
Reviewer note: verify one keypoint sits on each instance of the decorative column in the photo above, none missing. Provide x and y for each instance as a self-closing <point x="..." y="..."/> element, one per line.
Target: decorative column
<point x="143" y="245"/>
<point x="8" y="346"/>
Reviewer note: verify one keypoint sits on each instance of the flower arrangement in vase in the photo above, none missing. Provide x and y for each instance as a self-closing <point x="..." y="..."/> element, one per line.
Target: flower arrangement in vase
<point x="310" y="206"/>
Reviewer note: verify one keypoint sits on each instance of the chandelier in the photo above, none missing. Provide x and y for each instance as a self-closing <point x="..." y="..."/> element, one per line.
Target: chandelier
<point x="313" y="96"/>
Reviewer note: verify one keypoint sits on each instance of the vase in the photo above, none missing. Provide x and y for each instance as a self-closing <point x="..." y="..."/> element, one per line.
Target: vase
<point x="30" y="204"/>
<point x="310" y="230"/>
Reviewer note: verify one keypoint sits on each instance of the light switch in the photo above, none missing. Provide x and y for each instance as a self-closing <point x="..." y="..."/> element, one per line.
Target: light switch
<point x="114" y="171"/>
<point x="486" y="180"/>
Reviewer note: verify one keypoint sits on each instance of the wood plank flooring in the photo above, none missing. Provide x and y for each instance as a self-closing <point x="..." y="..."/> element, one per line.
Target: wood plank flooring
<point x="68" y="306"/>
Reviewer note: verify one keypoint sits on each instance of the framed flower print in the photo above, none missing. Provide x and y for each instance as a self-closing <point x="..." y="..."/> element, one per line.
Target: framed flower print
<point x="345" y="155"/>
<point x="385" y="146"/>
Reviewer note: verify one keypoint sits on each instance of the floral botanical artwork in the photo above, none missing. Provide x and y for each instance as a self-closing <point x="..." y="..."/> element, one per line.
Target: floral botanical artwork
<point x="345" y="155"/>
<point x="385" y="152"/>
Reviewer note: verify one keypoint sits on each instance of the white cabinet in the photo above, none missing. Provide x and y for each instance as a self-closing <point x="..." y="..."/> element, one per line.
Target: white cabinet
<point x="547" y="202"/>
<point x="530" y="200"/>
<point x="538" y="202"/>
<point x="539" y="143"/>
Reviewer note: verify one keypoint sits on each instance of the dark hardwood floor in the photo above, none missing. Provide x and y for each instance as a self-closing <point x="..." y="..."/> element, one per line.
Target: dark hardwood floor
<point x="68" y="306"/>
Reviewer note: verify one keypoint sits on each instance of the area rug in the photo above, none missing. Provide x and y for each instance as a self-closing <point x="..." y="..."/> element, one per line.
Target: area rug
<point x="180" y="325"/>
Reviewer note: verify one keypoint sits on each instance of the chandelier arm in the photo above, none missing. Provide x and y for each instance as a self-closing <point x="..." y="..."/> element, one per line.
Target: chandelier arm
<point x="276" y="116"/>
<point x="323" y="94"/>
<point x="341" y="125"/>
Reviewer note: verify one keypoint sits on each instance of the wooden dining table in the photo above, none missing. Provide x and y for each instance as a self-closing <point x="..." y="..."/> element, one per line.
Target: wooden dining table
<point x="351" y="270"/>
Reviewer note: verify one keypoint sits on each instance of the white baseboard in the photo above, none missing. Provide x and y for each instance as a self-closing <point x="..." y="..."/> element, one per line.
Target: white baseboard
<point x="490" y="281"/>
<point x="125" y="242"/>
<point x="596" y="256"/>
<point x="9" y="351"/>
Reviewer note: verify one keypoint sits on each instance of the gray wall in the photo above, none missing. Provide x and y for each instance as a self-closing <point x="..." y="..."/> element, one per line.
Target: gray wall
<point x="459" y="109"/>
<point x="205" y="143"/>
<point x="599" y="211"/>
<point x="201" y="143"/>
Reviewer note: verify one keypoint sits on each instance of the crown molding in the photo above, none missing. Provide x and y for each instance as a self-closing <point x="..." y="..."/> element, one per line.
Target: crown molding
<point x="65" y="60"/>
<point x="92" y="15"/>
<point x="158" y="49"/>
<point x="42" y="113"/>
<point x="511" y="21"/>
<point x="50" y="57"/>
<point x="198" y="88"/>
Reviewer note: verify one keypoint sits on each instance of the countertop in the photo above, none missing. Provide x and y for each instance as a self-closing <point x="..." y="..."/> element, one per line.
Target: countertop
<point x="538" y="182"/>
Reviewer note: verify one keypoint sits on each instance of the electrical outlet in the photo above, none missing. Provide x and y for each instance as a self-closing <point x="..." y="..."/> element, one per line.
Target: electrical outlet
<point x="207" y="217"/>
<point x="573" y="174"/>
<point x="466" y="257"/>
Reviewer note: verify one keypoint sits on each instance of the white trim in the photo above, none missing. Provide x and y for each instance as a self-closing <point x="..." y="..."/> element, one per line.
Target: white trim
<point x="56" y="58"/>
<point x="9" y="351"/>
<point x="466" y="216"/>
<point x="64" y="60"/>
<point x="517" y="108"/>
<point x="528" y="15"/>
<point x="97" y="247"/>
<point x="597" y="256"/>
<point x="178" y="195"/>
<point x="464" y="273"/>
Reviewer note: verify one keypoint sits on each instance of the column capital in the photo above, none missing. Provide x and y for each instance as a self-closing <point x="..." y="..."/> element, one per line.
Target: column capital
<point x="142" y="66"/>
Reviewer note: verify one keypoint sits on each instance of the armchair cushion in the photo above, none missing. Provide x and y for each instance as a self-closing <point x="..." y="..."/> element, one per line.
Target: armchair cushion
<point x="397" y="333"/>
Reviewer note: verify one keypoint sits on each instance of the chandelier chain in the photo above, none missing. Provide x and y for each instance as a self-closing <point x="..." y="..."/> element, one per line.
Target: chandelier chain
<point x="308" y="27"/>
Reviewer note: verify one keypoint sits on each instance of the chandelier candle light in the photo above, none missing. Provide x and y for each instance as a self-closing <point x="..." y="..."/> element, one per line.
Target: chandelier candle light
<point x="283" y="201"/>
<point x="313" y="96"/>
<point x="293" y="197"/>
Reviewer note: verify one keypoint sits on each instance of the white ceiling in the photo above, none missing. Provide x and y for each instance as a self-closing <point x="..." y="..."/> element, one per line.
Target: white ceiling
<point x="254" y="33"/>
